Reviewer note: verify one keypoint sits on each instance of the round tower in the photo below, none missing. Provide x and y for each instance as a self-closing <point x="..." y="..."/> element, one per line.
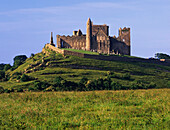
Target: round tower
<point x="120" y="31"/>
<point x="88" y="35"/>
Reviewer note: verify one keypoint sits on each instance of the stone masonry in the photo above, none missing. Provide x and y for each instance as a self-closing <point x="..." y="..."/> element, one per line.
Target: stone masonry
<point x="97" y="39"/>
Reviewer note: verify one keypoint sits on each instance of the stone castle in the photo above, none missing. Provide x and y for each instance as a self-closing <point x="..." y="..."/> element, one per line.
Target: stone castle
<point x="97" y="39"/>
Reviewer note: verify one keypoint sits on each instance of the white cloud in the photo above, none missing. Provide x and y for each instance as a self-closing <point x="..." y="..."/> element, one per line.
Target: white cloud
<point x="76" y="7"/>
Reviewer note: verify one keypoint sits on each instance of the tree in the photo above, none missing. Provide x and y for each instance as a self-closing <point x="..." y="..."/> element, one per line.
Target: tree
<point x="7" y="67"/>
<point x="1" y="89"/>
<point x="32" y="54"/>
<point x="2" y="66"/>
<point x="57" y="81"/>
<point x="83" y="80"/>
<point x="19" y="60"/>
<point x="25" y="78"/>
<point x="2" y="74"/>
<point x="162" y="56"/>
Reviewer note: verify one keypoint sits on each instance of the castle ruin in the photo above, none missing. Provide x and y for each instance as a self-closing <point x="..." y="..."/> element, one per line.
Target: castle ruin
<point x="97" y="39"/>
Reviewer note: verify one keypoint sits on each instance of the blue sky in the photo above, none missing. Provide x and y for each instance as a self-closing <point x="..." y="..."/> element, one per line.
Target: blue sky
<point x="25" y="26"/>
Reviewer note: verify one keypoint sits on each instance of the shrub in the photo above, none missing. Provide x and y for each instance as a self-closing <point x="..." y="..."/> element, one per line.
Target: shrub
<point x="17" y="73"/>
<point x="126" y="76"/>
<point x="138" y="85"/>
<point x="116" y="85"/>
<point x="2" y="66"/>
<point x="107" y="83"/>
<point x="1" y="89"/>
<point x="25" y="78"/>
<point x="38" y="85"/>
<point x="7" y="67"/>
<point x="32" y="55"/>
<point x="83" y="80"/>
<point x="151" y="85"/>
<point x="19" y="60"/>
<point x="2" y="74"/>
<point x="19" y="90"/>
<point x="7" y="91"/>
<point x="18" y="77"/>
<point x="11" y="90"/>
<point x="90" y="85"/>
<point x="110" y="73"/>
<point x="30" y="88"/>
<point x="57" y="81"/>
<point x="68" y="85"/>
<point x="51" y="88"/>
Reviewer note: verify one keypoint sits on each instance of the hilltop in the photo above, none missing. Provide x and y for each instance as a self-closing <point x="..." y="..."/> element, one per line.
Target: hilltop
<point x="47" y="65"/>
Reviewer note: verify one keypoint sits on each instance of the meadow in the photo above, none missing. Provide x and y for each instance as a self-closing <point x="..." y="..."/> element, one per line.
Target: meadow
<point x="123" y="109"/>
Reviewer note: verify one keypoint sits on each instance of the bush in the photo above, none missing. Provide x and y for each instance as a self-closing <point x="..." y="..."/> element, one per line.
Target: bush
<point x="1" y="89"/>
<point x="18" y="77"/>
<point x="38" y="85"/>
<point x="107" y="83"/>
<point x="151" y="85"/>
<point x="126" y="76"/>
<point x="116" y="85"/>
<point x="32" y="55"/>
<point x="2" y="66"/>
<point x="90" y="85"/>
<point x="30" y="88"/>
<point x="57" y="81"/>
<point x="19" y="90"/>
<point x="51" y="88"/>
<point x="138" y="85"/>
<point x="68" y="85"/>
<point x="2" y="74"/>
<point x="25" y="78"/>
<point x="7" y="67"/>
<point x="7" y="91"/>
<point x="19" y="60"/>
<point x="83" y="80"/>
<point x="17" y="73"/>
<point x="109" y="73"/>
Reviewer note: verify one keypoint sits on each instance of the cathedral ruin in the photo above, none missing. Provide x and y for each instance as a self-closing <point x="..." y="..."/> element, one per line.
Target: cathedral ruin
<point x="97" y="39"/>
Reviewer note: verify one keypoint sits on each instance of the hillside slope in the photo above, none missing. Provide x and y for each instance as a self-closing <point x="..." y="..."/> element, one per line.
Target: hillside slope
<point x="47" y="65"/>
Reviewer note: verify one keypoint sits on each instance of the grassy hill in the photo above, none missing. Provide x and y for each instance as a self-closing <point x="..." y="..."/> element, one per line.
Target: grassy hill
<point x="127" y="109"/>
<point x="46" y="66"/>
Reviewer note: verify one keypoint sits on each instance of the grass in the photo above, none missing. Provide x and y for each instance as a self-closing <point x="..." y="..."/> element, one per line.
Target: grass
<point x="96" y="53"/>
<point x="73" y="68"/>
<point x="81" y="51"/>
<point x="139" y="109"/>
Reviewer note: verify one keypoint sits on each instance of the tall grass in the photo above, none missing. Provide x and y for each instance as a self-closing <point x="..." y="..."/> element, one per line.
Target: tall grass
<point x="139" y="109"/>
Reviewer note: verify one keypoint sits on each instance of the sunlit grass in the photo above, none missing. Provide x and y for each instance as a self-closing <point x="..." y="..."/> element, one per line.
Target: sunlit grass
<point x="139" y="109"/>
<point x="81" y="51"/>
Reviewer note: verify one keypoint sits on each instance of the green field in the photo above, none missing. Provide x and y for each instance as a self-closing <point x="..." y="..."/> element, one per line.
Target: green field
<point x="139" y="109"/>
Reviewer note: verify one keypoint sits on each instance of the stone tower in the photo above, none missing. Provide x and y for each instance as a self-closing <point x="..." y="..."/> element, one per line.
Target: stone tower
<point x="124" y="36"/>
<point x="89" y="35"/>
<point x="51" y="41"/>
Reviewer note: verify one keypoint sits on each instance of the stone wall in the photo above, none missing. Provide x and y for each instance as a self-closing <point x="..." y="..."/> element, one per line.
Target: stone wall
<point x="54" y="48"/>
<point x="75" y="42"/>
<point x="118" y="47"/>
<point x="108" y="58"/>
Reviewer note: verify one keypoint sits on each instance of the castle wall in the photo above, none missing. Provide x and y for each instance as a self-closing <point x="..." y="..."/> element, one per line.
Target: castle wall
<point x="75" y="42"/>
<point x="107" y="58"/>
<point x="54" y="48"/>
<point x="97" y="39"/>
<point x="119" y="47"/>
<point x="96" y="28"/>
